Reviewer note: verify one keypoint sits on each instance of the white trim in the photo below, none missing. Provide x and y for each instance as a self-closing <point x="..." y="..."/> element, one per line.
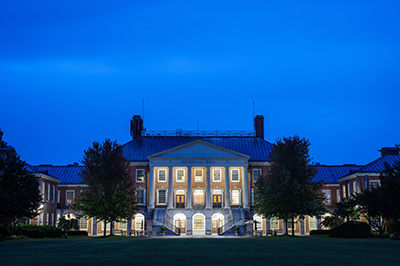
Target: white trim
<point x="144" y="196"/>
<point x="66" y="196"/>
<point x="138" y="163"/>
<point x="355" y="175"/>
<point x="259" y="163"/>
<point x="194" y="176"/>
<point x="166" y="196"/>
<point x="240" y="196"/>
<point x="53" y="194"/>
<point x="158" y="175"/>
<point x="144" y="175"/>
<point x="183" y="176"/>
<point x="199" y="231"/>
<point x="236" y="181"/>
<point x="309" y="223"/>
<point x="220" y="175"/>
<point x="48" y="192"/>
<point x="46" y="177"/>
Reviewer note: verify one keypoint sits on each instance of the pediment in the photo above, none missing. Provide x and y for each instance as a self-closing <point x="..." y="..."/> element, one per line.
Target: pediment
<point x="198" y="149"/>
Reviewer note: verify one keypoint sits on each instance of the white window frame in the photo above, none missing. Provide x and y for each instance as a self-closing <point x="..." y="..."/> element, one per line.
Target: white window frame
<point x="309" y="223"/>
<point x="374" y="181"/>
<point x="123" y="225"/>
<point x="43" y="191"/>
<point x="80" y="223"/>
<point x="254" y="176"/>
<point x="183" y="176"/>
<point x="220" y="175"/>
<point x="48" y="193"/>
<point x="272" y="224"/>
<point x="290" y="227"/>
<point x="144" y="174"/>
<point x="53" y="194"/>
<point x="144" y="196"/>
<point x="202" y="175"/>
<point x="232" y="175"/>
<point x="338" y="195"/>
<point x="158" y="175"/>
<point x="327" y="200"/>
<point x="158" y="196"/>
<point x="355" y="187"/>
<point x="66" y="196"/>
<point x="139" y="220"/>
<point x="239" y="196"/>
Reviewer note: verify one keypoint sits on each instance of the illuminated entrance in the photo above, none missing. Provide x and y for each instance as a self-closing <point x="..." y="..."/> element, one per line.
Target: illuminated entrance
<point x="199" y="224"/>
<point x="217" y="220"/>
<point x="180" y="222"/>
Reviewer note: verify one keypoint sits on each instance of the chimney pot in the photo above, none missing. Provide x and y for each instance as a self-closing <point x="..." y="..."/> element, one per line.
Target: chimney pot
<point x="136" y="126"/>
<point x="259" y="126"/>
<point x="389" y="151"/>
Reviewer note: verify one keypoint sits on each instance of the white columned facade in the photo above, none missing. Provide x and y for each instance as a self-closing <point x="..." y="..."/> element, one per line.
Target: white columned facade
<point x="227" y="190"/>
<point x="170" y="189"/>
<point x="152" y="188"/>
<point x="245" y="188"/>
<point x="189" y="188"/>
<point x="208" y="189"/>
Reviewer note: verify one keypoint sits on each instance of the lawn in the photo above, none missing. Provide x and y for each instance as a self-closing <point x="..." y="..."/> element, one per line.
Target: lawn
<point x="200" y="251"/>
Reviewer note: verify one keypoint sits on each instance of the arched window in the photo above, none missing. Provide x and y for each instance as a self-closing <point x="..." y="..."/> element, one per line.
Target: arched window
<point x="198" y="197"/>
<point x="139" y="222"/>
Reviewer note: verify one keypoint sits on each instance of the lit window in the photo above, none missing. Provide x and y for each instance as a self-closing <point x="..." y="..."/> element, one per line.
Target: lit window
<point x="327" y="194"/>
<point x="140" y="196"/>
<point x="198" y="196"/>
<point x="374" y="183"/>
<point x="70" y="195"/>
<point x="41" y="219"/>
<point x="289" y="225"/>
<point x="122" y="225"/>
<point x="198" y="175"/>
<point x="313" y="223"/>
<point x="180" y="175"/>
<point x="235" y="175"/>
<point x="338" y="195"/>
<point x="139" y="175"/>
<point x="217" y="175"/>
<point x="162" y="199"/>
<point x="84" y="223"/>
<point x="257" y="220"/>
<point x="139" y="222"/>
<point x="162" y="175"/>
<point x="274" y="224"/>
<point x="344" y="191"/>
<point x="256" y="174"/>
<point x="235" y="197"/>
<point x="198" y="222"/>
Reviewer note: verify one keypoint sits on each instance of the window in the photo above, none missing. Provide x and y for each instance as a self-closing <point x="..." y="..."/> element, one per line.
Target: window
<point x="48" y="193"/>
<point x="84" y="223"/>
<point x="140" y="196"/>
<point x="289" y="225"/>
<point x="198" y="175"/>
<point x="198" y="197"/>
<point x="53" y="193"/>
<point x="355" y="187"/>
<point x="274" y="224"/>
<point x="235" y="175"/>
<point x="52" y="219"/>
<point x="257" y="221"/>
<point x="162" y="175"/>
<point x="180" y="198"/>
<point x="313" y="223"/>
<point x="47" y="219"/>
<point x="252" y="196"/>
<point x="139" y="222"/>
<point x="217" y="198"/>
<point x="374" y="184"/>
<point x="256" y="174"/>
<point x="180" y="175"/>
<point x="162" y="196"/>
<point x="43" y="190"/>
<point x="327" y="194"/>
<point x="41" y="219"/>
<point x="348" y="189"/>
<point x="139" y="175"/>
<point x="344" y="191"/>
<point x="107" y="226"/>
<point x="58" y="196"/>
<point x="216" y="175"/>
<point x="70" y="196"/>
<point x="338" y="195"/>
<point x="235" y="194"/>
<point x="198" y="222"/>
<point x="122" y="225"/>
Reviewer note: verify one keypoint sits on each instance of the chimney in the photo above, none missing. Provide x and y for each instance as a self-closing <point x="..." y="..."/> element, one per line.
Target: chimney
<point x="136" y="126"/>
<point x="389" y="151"/>
<point x="259" y="126"/>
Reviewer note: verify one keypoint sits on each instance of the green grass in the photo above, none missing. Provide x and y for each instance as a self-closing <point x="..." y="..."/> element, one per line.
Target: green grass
<point x="200" y="251"/>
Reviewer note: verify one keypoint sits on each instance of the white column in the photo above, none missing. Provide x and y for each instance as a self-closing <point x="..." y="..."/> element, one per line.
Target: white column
<point x="227" y="190"/>
<point x="245" y="188"/>
<point x="152" y="188"/>
<point x="208" y="189"/>
<point x="170" y="192"/>
<point x="189" y="188"/>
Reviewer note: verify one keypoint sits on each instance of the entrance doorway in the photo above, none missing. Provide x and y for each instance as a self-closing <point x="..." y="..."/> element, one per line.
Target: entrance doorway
<point x="180" y="222"/>
<point x="180" y="199"/>
<point x="199" y="224"/>
<point x="217" y="220"/>
<point x="217" y="199"/>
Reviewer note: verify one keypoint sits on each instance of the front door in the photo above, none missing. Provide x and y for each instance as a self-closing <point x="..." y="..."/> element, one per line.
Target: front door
<point x="180" y="201"/>
<point x="217" y="201"/>
<point x="182" y="225"/>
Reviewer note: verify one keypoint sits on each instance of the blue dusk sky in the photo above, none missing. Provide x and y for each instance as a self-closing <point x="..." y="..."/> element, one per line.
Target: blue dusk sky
<point x="74" y="72"/>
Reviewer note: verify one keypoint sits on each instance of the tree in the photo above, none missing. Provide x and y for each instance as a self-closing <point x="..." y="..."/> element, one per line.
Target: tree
<point x="19" y="190"/>
<point x="110" y="195"/>
<point x="288" y="191"/>
<point x="67" y="224"/>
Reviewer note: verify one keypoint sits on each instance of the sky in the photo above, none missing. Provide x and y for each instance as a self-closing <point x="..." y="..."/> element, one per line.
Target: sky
<point x="74" y="72"/>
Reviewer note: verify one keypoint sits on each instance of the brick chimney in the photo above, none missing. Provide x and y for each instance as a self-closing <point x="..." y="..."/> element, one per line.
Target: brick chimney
<point x="389" y="151"/>
<point x="136" y="126"/>
<point x="259" y="126"/>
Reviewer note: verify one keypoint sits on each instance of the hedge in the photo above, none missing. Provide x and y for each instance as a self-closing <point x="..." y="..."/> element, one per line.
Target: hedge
<point x="77" y="233"/>
<point x="352" y="229"/>
<point x="320" y="232"/>
<point x="38" y="231"/>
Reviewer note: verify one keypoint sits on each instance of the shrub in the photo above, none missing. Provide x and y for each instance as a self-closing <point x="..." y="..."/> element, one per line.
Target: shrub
<point x="78" y="233"/>
<point x="319" y="232"/>
<point x="394" y="228"/>
<point x="38" y="231"/>
<point x="352" y="229"/>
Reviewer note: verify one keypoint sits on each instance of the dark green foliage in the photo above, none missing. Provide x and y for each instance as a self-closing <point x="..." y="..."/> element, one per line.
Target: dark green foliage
<point x="67" y="225"/>
<point x="352" y="229"/>
<point x="332" y="221"/>
<point x="110" y="195"/>
<point x="348" y="209"/>
<point x="320" y="232"/>
<point x="394" y="228"/>
<point x="288" y="190"/>
<point x="78" y="233"/>
<point x="19" y="190"/>
<point x="38" y="231"/>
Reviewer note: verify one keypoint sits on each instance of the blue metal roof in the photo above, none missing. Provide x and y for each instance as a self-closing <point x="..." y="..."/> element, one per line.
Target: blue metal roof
<point x="378" y="165"/>
<point x="68" y="175"/>
<point x="330" y="174"/>
<point x="138" y="149"/>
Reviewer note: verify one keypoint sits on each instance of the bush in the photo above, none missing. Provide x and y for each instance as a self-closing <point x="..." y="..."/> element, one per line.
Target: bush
<point x="38" y="231"/>
<point x="394" y="228"/>
<point x="319" y="232"/>
<point x="351" y="229"/>
<point x="78" y="233"/>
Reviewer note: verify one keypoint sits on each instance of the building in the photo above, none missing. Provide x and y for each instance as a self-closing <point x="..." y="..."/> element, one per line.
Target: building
<point x="200" y="183"/>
